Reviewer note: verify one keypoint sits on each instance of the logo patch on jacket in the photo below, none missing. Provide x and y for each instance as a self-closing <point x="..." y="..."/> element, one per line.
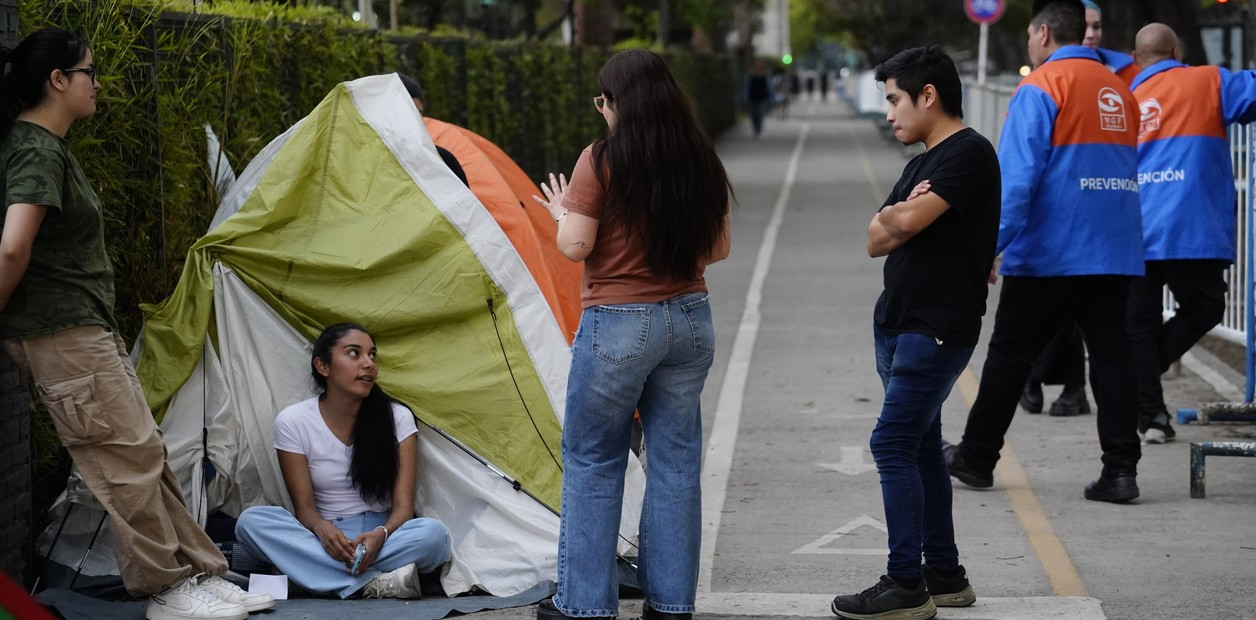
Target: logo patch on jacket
<point x="1149" y="119"/>
<point x="1111" y="110"/>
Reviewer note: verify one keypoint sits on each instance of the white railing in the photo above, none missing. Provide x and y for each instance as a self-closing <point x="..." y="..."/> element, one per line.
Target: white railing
<point x="1233" y="325"/>
<point x="985" y="107"/>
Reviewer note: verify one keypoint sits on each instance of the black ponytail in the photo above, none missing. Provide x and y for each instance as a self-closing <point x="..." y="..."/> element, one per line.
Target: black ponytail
<point x="374" y="464"/>
<point x="27" y="67"/>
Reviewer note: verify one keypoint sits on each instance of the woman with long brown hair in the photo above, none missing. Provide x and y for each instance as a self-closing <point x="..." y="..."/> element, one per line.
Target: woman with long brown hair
<point x="647" y="211"/>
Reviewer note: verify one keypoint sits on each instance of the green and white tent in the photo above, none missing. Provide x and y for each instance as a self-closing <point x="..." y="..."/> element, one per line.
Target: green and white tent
<point x="352" y="216"/>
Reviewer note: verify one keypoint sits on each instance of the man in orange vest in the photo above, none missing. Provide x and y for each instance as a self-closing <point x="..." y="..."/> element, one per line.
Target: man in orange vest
<point x="1186" y="186"/>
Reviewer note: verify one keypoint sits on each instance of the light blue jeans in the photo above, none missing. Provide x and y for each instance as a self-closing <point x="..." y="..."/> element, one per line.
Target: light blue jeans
<point x="274" y="534"/>
<point x="653" y="358"/>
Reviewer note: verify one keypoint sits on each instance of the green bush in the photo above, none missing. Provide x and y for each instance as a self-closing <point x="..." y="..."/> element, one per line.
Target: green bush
<point x="252" y="69"/>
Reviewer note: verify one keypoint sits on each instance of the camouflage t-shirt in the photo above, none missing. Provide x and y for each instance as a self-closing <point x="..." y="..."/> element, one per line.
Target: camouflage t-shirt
<point x="69" y="282"/>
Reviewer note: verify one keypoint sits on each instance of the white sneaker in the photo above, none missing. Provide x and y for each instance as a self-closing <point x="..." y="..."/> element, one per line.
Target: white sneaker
<point x="186" y="600"/>
<point x="231" y="593"/>
<point x="401" y="583"/>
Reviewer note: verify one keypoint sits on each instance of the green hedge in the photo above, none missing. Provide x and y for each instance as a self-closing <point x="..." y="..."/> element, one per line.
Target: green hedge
<point x="254" y="69"/>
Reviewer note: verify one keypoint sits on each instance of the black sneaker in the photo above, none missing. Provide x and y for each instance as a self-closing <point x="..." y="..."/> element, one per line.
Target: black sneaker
<point x="887" y="600"/>
<point x="962" y="471"/>
<point x="949" y="589"/>
<point x="650" y="613"/>
<point x="547" y="611"/>
<point x="1118" y="489"/>
<point x="1072" y="401"/>
<point x="1031" y="396"/>
<point x="1155" y="428"/>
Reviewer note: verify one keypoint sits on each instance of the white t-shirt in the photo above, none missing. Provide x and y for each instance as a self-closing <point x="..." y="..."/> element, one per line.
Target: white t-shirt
<point x="300" y="429"/>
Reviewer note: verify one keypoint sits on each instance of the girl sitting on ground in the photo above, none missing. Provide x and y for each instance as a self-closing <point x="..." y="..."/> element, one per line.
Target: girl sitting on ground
<point x="348" y="461"/>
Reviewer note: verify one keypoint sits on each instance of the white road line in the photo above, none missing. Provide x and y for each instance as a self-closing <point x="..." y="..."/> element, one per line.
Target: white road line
<point x="1227" y="390"/>
<point x="718" y="462"/>
<point x="735" y="604"/>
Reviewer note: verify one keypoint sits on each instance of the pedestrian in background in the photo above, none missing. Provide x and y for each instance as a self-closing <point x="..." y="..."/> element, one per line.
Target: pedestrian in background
<point x="1069" y="158"/>
<point x="758" y="94"/>
<point x="57" y="296"/>
<point x="646" y="210"/>
<point x="937" y="230"/>
<point x="1120" y="63"/>
<point x="1186" y="185"/>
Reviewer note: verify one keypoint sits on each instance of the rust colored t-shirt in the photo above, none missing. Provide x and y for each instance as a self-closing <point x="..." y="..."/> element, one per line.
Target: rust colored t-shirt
<point x="616" y="271"/>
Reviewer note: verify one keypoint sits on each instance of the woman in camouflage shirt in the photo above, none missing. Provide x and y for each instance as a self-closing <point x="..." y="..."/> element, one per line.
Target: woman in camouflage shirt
<point x="56" y="322"/>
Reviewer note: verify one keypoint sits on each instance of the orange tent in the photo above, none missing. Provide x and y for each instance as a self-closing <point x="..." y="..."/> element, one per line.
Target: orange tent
<point x="506" y="191"/>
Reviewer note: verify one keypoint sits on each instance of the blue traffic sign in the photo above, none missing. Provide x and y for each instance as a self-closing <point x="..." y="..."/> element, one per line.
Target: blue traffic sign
<point x="984" y="11"/>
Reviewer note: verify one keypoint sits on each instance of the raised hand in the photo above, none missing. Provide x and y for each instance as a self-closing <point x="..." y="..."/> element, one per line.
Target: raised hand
<point x="554" y="191"/>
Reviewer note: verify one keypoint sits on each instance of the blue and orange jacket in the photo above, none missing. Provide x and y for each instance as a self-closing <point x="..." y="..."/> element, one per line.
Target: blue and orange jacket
<point x="1120" y="64"/>
<point x="1185" y="176"/>
<point x="1069" y="159"/>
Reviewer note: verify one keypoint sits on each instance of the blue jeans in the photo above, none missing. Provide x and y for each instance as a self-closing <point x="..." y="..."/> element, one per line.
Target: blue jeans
<point x="758" y="110"/>
<point x="917" y="373"/>
<point x="654" y="358"/>
<point x="274" y="534"/>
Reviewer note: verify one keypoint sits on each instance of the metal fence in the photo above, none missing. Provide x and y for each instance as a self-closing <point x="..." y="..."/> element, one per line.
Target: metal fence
<point x="985" y="109"/>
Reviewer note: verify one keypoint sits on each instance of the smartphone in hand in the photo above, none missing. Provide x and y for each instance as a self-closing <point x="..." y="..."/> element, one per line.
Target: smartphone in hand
<point x="357" y="558"/>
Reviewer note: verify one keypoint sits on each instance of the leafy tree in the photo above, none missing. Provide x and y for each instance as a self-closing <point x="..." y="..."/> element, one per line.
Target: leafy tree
<point x="646" y="18"/>
<point x="881" y="28"/>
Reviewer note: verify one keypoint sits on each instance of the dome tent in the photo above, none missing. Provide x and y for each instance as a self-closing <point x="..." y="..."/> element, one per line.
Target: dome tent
<point x="351" y="215"/>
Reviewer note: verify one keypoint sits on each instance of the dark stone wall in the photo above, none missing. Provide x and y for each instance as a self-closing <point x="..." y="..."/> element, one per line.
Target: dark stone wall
<point x="15" y="471"/>
<point x="15" y="415"/>
<point x="8" y="23"/>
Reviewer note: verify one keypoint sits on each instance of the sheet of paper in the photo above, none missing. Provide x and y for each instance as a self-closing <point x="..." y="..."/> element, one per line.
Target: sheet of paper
<point x="274" y="585"/>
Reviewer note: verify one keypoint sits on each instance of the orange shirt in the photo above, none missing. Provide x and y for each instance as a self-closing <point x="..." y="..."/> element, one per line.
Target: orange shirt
<point x="616" y="271"/>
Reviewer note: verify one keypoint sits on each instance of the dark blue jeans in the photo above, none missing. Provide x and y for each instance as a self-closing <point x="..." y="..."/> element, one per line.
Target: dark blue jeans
<point x="918" y="373"/>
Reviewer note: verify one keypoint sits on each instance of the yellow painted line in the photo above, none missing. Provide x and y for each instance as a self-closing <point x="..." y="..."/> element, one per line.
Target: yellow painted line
<point x="1059" y="568"/>
<point x="873" y="184"/>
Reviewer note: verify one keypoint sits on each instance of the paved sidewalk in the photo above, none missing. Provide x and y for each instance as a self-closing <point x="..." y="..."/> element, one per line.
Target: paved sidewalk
<point x="793" y="505"/>
<point x="800" y="515"/>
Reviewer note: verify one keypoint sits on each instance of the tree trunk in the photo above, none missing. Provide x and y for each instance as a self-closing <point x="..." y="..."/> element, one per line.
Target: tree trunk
<point x="1122" y="19"/>
<point x="665" y="23"/>
<point x="593" y="24"/>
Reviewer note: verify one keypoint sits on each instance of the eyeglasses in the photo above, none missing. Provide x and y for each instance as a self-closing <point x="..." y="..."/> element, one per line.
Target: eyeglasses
<point x="88" y="71"/>
<point x="600" y="101"/>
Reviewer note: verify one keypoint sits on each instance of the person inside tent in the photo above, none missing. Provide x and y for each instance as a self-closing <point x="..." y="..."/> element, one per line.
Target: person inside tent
<point x="416" y="93"/>
<point x="57" y="297"/>
<point x="348" y="458"/>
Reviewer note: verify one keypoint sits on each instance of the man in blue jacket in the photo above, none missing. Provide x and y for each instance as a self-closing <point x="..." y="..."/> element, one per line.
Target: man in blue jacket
<point x="1063" y="361"/>
<point x="1187" y="188"/>
<point x="1069" y="235"/>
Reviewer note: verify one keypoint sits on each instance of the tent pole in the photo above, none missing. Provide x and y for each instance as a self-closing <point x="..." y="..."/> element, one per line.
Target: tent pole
<point x="53" y="546"/>
<point x="91" y="545"/>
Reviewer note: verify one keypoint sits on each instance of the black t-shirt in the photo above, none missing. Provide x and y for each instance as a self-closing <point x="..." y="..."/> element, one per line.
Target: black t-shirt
<point x="935" y="284"/>
<point x="758" y="88"/>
